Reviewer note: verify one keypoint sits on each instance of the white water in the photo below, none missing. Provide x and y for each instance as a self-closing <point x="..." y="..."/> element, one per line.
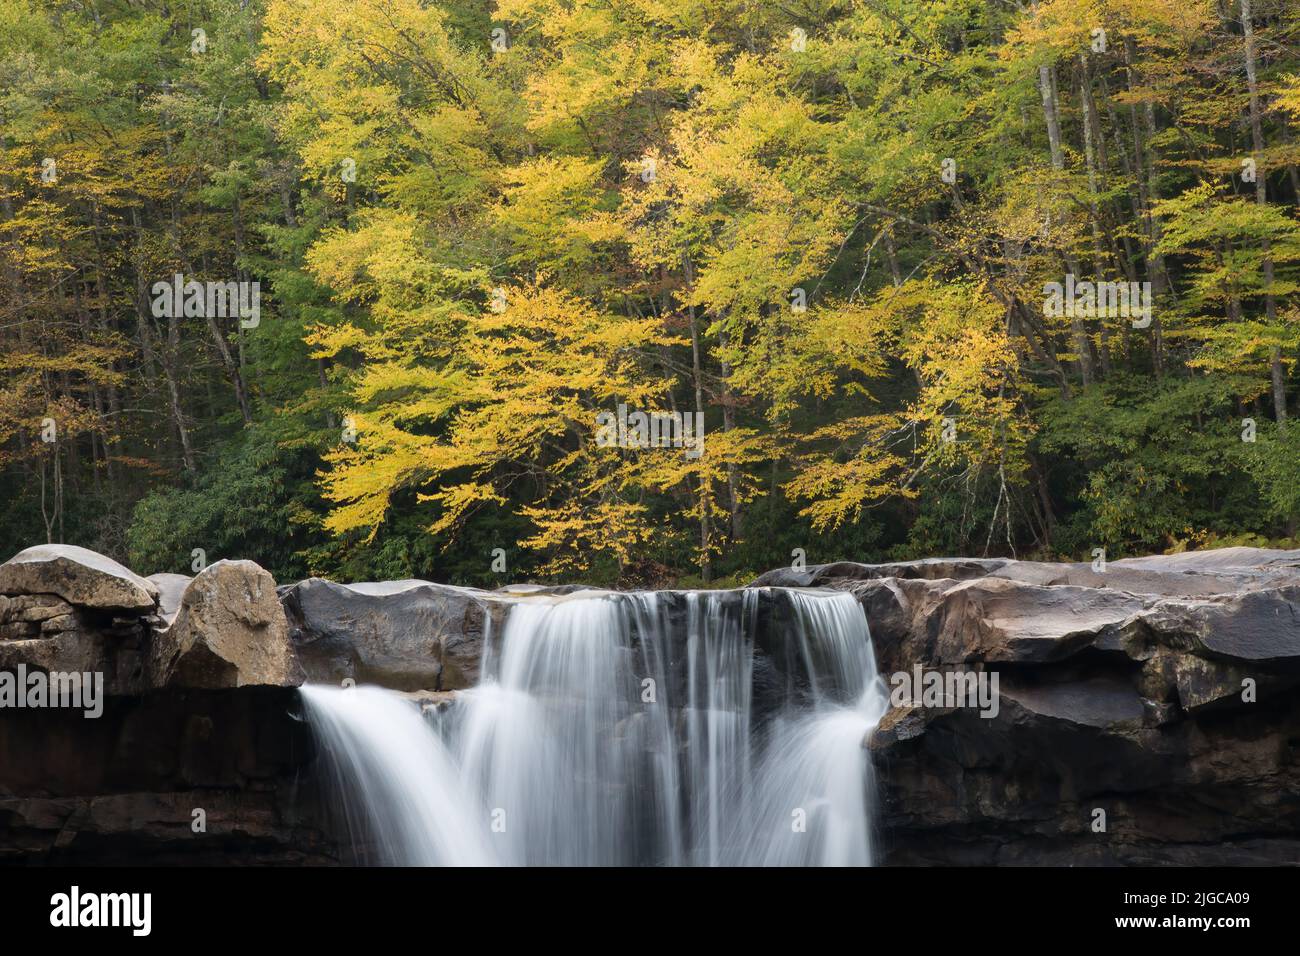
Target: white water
<point x="587" y="743"/>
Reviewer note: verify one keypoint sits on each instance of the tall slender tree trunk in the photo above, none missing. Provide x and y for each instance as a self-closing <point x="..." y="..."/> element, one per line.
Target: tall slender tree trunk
<point x="1276" y="370"/>
<point x="728" y="423"/>
<point x="706" y="531"/>
<point x="1149" y="192"/>
<point x="1094" y="218"/>
<point x="1047" y="89"/>
<point x="167" y="351"/>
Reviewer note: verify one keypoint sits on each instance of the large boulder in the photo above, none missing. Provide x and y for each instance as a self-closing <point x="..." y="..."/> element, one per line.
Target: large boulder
<point x="1164" y="691"/>
<point x="79" y="576"/>
<point x="407" y="635"/>
<point x="228" y="631"/>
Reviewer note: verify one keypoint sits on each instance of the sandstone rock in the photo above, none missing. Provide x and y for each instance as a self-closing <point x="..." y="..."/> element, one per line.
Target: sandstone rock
<point x="932" y="569"/>
<point x="65" y="651"/>
<point x="407" y="635"/>
<point x="898" y="613"/>
<point x="77" y="575"/>
<point x="1200" y="682"/>
<point x="1103" y="702"/>
<point x="229" y="631"/>
<point x="1136" y="579"/>
<point x="63" y="622"/>
<point x="1217" y="559"/>
<point x="1022" y="787"/>
<point x="18" y="631"/>
<point x="999" y="620"/>
<point x="1257" y="626"/>
<point x="1120" y="689"/>
<point x="34" y="608"/>
<point x="123" y="788"/>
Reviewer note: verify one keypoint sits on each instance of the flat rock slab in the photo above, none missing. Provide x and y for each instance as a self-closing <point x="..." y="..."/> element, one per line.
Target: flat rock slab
<point x="1138" y="579"/>
<point x="79" y="576"/>
<point x="1100" y="702"/>
<point x="1003" y="621"/>
<point x="1257" y="626"/>
<point x="1218" y="559"/>
<point x="929" y="569"/>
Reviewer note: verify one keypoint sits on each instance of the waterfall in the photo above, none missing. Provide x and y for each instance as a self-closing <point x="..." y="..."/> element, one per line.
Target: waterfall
<point x="398" y="789"/>
<point x="608" y="730"/>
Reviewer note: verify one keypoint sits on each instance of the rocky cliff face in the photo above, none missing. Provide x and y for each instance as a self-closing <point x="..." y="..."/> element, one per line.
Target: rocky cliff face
<point x="198" y="751"/>
<point x="1160" y="692"/>
<point x="1158" y="695"/>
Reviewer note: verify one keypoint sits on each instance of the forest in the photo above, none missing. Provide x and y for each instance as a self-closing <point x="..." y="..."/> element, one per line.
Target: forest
<point x="351" y="287"/>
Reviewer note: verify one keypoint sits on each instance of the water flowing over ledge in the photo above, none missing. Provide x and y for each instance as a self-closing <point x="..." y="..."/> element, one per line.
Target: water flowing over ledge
<point x="598" y="736"/>
<point x="1158" y="690"/>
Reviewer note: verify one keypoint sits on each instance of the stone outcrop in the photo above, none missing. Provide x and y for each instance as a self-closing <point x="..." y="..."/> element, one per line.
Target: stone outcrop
<point x="169" y="777"/>
<point x="1162" y="692"/>
<point x="68" y="609"/>
<point x="194" y="758"/>
<point x="228" y="630"/>
<point x="407" y="635"/>
<point x="79" y="576"/>
<point x="26" y="616"/>
<point x="64" y="608"/>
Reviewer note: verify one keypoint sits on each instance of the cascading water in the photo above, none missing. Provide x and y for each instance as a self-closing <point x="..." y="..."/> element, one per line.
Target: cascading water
<point x="606" y="730"/>
<point x="398" y="789"/>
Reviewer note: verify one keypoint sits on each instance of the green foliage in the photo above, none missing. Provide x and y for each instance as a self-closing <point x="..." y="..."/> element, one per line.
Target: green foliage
<point x="1146" y="464"/>
<point x="245" y="505"/>
<point x="828" y="228"/>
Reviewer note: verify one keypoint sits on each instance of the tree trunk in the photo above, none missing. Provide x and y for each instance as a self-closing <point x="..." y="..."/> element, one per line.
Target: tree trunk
<point x="1276" y="369"/>
<point x="706" y="532"/>
<point x="1098" y="247"/>
<point x="167" y="352"/>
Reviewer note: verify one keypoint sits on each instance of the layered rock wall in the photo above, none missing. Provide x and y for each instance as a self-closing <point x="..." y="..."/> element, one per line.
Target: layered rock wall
<point x="1162" y="694"/>
<point x="1155" y="696"/>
